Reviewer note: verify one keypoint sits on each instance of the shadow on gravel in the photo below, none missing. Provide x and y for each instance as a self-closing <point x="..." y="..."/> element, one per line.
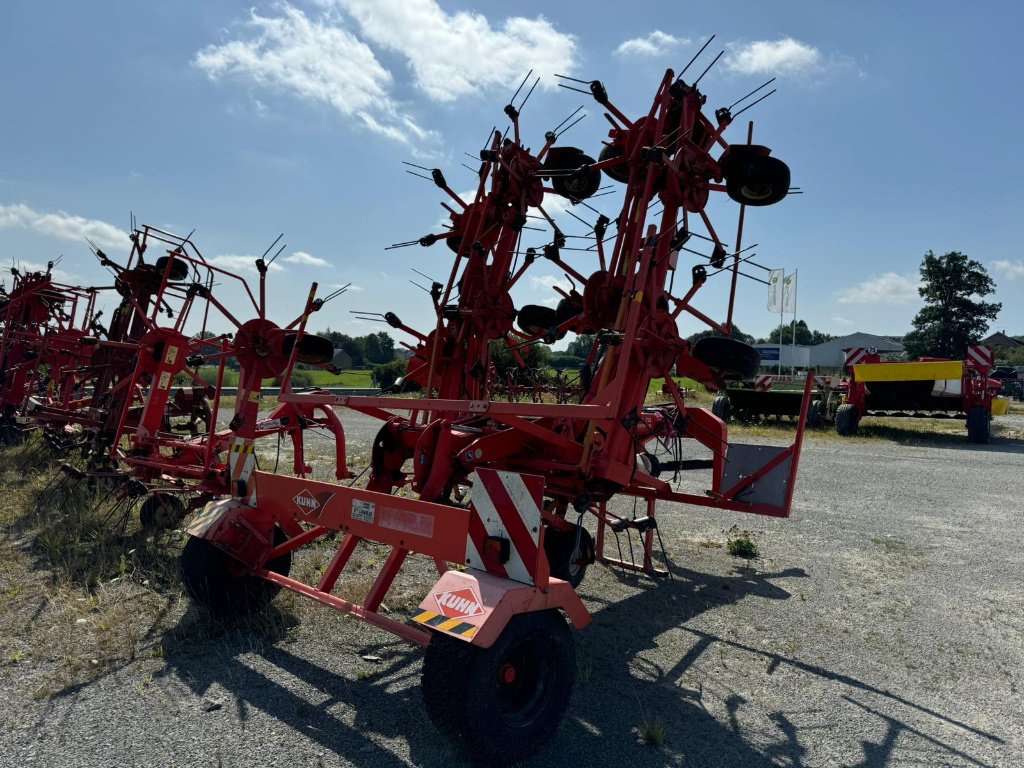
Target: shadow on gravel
<point x="620" y="692"/>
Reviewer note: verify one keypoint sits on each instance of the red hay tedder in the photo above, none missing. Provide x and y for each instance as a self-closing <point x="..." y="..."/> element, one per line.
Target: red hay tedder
<point x="111" y="393"/>
<point x="497" y="493"/>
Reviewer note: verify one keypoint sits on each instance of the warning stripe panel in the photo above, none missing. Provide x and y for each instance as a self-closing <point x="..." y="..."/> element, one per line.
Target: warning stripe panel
<point x="444" y="624"/>
<point x="506" y="505"/>
<point x="854" y="356"/>
<point x="981" y="356"/>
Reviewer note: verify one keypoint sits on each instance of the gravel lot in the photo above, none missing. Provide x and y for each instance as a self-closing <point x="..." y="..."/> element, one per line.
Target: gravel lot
<point x="883" y="625"/>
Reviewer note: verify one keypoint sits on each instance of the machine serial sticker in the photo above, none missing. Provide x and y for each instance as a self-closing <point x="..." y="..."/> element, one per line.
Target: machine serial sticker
<point x="363" y="510"/>
<point x="406" y="521"/>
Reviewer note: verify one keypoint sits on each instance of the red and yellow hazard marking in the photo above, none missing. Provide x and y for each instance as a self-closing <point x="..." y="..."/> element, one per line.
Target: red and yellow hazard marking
<point x="444" y="624"/>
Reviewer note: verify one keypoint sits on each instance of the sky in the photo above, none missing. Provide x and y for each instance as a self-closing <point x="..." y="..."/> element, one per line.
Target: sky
<point x="243" y="121"/>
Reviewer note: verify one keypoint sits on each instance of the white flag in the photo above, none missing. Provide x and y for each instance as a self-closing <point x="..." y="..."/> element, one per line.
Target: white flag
<point x="789" y="293"/>
<point x="775" y="290"/>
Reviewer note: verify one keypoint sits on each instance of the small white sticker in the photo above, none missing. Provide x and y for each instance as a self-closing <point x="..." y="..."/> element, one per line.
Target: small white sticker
<point x="165" y="380"/>
<point x="363" y="510"/>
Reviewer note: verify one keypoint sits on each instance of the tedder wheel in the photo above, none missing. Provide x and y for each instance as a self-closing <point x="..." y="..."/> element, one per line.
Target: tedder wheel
<point x="220" y="584"/>
<point x="505" y="701"/>
<point x="731" y="358"/>
<point x="722" y="408"/>
<point x="617" y="172"/>
<point x="568" y="179"/>
<point x="161" y="510"/>
<point x="757" y="180"/>
<point x="979" y="428"/>
<point x="569" y="562"/>
<point x="312" y="348"/>
<point x="847" y="419"/>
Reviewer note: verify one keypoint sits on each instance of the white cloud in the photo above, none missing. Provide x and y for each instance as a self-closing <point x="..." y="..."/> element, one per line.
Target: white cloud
<point x="234" y="263"/>
<point x="63" y="226"/>
<point x="317" y="60"/>
<point x="452" y="55"/>
<point x="890" y="288"/>
<point x="1011" y="270"/>
<point x="301" y="257"/>
<point x="655" y="44"/>
<point x="841" y="320"/>
<point x="779" y="57"/>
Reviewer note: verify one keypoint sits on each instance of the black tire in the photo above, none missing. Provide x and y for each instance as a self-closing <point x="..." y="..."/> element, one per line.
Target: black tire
<point x="731" y="358"/>
<point x="313" y="349"/>
<point x="722" y="408"/>
<point x="618" y="173"/>
<point x="179" y="269"/>
<point x="505" y="701"/>
<point x="577" y="185"/>
<point x="815" y="414"/>
<point x="220" y="584"/>
<point x="567" y="560"/>
<point x="538" y="320"/>
<point x="847" y="420"/>
<point x="757" y="179"/>
<point x="979" y="425"/>
<point x="161" y="511"/>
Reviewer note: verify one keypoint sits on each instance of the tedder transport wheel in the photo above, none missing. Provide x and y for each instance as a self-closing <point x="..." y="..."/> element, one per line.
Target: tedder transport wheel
<point x="847" y="419"/>
<point x="722" y="408"/>
<point x="979" y="428"/>
<point x="505" y="701"/>
<point x="757" y="180"/>
<point x="569" y="562"/>
<point x="220" y="584"/>
<point x="161" y="510"/>
<point x="731" y="358"/>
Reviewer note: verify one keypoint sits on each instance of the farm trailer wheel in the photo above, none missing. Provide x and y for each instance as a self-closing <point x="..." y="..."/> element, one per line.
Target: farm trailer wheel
<point x="816" y="414"/>
<point x="722" y="408"/>
<point x="505" y="701"/>
<point x="220" y="584"/>
<point x="847" y="420"/>
<point x="979" y="425"/>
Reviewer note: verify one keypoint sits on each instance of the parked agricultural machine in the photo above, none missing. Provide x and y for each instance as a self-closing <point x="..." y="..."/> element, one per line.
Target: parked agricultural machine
<point x="769" y="396"/>
<point x="498" y="494"/>
<point x="110" y="393"/>
<point x="925" y="388"/>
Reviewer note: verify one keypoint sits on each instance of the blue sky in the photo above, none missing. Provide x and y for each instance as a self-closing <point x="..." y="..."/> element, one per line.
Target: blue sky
<point x="900" y="121"/>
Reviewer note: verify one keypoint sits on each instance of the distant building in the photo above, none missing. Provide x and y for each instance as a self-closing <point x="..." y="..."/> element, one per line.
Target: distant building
<point x="832" y="354"/>
<point x="342" y="359"/>
<point x="1001" y="340"/>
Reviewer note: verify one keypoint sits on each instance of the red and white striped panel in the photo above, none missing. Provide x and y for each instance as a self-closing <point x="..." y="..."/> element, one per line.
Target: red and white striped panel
<point x="979" y="356"/>
<point x="763" y="383"/>
<point x="855" y="355"/>
<point x="506" y="505"/>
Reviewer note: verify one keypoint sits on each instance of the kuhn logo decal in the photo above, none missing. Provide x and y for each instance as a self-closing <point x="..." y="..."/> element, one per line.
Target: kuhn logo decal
<point x="458" y="603"/>
<point x="309" y="504"/>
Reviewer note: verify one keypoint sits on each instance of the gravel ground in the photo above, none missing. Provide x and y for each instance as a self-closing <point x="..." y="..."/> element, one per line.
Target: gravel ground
<point x="881" y="626"/>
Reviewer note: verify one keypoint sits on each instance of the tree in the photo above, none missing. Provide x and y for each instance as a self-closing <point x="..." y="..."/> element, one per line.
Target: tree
<point x="581" y="345"/>
<point x="952" y="318"/>
<point x="804" y="335"/>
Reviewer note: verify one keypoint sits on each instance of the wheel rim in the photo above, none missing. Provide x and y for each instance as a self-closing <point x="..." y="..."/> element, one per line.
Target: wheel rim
<point x="524" y="682"/>
<point x="757" y="191"/>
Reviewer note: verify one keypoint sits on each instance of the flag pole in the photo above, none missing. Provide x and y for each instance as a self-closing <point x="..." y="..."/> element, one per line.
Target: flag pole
<point x="782" y="306"/>
<point x="796" y="285"/>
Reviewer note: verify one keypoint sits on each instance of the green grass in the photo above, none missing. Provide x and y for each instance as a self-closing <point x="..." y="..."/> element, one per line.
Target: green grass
<point x="742" y="546"/>
<point x="354" y="379"/>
